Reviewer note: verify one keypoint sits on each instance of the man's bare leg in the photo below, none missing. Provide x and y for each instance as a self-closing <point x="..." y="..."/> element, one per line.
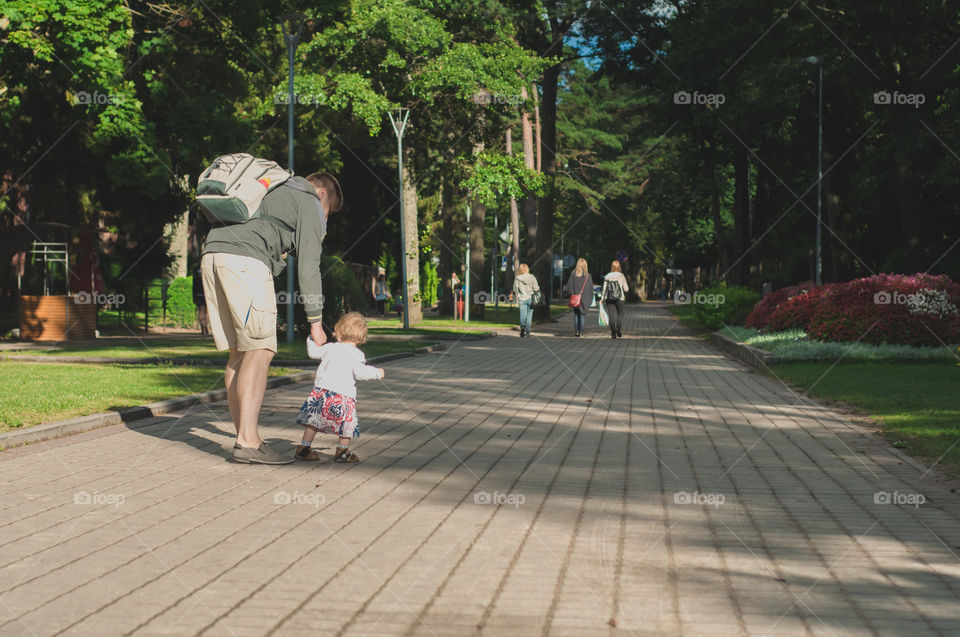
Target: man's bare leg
<point x="230" y="380"/>
<point x="251" y="385"/>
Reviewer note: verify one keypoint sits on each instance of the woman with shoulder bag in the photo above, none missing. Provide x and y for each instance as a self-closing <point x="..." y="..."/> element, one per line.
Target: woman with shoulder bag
<point x="526" y="290"/>
<point x="614" y="292"/>
<point x="380" y="294"/>
<point x="580" y="290"/>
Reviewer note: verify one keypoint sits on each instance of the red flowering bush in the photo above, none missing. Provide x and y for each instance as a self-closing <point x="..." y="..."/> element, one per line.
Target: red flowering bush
<point x="760" y="316"/>
<point x="890" y="308"/>
<point x="797" y="311"/>
<point x="887" y="308"/>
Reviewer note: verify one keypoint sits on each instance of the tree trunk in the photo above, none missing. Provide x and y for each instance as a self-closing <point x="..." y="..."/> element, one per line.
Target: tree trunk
<point x="741" y="215"/>
<point x="721" y="238"/>
<point x="514" y="227"/>
<point x="177" y="234"/>
<point x="412" y="237"/>
<point x="478" y="215"/>
<point x="548" y="144"/>
<point x="907" y="196"/>
<point x="529" y="201"/>
<point x="448" y="260"/>
<point x="838" y="264"/>
<point x="761" y="207"/>
<point x="536" y="114"/>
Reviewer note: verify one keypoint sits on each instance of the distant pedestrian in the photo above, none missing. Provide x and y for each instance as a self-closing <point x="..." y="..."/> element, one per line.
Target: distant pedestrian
<point x="579" y="289"/>
<point x="331" y="407"/>
<point x="663" y="288"/>
<point x="381" y="292"/>
<point x="398" y="303"/>
<point x="200" y="301"/>
<point x="612" y="296"/>
<point x="524" y="287"/>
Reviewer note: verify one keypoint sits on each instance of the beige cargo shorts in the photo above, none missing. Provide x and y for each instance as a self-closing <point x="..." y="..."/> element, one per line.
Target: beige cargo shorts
<point x="240" y="301"/>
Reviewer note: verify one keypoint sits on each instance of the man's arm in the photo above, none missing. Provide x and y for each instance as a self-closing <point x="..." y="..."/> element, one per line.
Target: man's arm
<point x="311" y="227"/>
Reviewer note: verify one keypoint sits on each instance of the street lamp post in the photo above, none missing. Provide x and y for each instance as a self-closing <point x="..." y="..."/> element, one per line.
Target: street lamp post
<point x="398" y="118"/>
<point x="818" y="60"/>
<point x="291" y="37"/>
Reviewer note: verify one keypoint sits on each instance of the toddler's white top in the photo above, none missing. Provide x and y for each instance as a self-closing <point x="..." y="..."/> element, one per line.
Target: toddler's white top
<point x="341" y="365"/>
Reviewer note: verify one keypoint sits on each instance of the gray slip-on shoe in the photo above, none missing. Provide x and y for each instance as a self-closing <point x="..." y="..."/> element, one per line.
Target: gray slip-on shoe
<point x="261" y="455"/>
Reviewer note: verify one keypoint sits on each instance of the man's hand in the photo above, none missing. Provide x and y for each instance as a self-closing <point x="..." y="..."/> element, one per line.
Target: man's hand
<point x="317" y="334"/>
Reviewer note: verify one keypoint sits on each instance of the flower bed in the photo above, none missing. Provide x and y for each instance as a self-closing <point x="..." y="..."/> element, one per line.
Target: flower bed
<point x="918" y="310"/>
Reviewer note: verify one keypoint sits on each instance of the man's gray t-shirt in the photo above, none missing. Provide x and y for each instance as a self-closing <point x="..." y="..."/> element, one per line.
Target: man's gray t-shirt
<point x="291" y="221"/>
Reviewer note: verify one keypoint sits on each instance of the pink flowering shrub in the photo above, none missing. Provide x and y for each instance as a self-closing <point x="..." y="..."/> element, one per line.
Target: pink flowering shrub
<point x="890" y="308"/>
<point x="760" y="316"/>
<point x="921" y="309"/>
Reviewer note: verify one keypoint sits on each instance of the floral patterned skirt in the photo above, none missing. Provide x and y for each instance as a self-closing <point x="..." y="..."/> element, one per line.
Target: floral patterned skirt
<point x="330" y="413"/>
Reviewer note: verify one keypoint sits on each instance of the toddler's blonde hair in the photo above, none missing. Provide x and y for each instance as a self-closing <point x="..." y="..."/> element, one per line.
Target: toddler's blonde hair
<point x="352" y="327"/>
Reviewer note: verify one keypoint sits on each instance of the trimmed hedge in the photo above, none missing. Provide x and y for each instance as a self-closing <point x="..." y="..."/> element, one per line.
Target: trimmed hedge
<point x="180" y="308"/>
<point x="717" y="305"/>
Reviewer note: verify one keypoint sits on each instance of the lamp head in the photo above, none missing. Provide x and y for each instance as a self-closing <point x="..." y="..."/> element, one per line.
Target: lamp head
<point x="292" y="20"/>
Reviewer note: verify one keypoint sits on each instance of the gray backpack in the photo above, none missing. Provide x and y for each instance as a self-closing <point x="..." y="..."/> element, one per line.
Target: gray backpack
<point x="231" y="189"/>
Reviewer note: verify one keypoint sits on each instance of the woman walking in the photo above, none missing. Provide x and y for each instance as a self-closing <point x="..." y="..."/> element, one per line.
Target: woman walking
<point x="524" y="287"/>
<point x="614" y="292"/>
<point x="580" y="290"/>
<point x="380" y="294"/>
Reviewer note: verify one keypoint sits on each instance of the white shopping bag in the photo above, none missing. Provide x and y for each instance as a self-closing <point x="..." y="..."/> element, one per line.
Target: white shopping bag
<point x="604" y="319"/>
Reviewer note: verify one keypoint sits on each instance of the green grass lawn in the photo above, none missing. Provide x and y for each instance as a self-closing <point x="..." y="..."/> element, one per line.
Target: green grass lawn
<point x="196" y="348"/>
<point x="793" y="345"/>
<point x="918" y="404"/>
<point x="33" y="393"/>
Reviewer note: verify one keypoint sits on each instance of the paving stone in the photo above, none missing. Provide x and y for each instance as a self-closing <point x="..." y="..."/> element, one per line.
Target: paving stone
<point x="521" y="486"/>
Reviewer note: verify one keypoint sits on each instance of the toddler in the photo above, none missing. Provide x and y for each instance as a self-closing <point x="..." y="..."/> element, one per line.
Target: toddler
<point x="332" y="405"/>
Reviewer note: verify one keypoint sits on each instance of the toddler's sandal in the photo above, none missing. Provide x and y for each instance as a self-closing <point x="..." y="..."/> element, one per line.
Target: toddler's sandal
<point x="344" y="454"/>
<point x="306" y="453"/>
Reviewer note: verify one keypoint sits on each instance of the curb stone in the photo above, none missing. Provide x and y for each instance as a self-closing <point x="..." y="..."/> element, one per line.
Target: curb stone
<point x="82" y="424"/>
<point x="754" y="357"/>
<point x="180" y="362"/>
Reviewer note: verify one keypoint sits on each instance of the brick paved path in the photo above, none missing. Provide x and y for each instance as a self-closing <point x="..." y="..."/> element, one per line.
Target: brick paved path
<point x="550" y="486"/>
